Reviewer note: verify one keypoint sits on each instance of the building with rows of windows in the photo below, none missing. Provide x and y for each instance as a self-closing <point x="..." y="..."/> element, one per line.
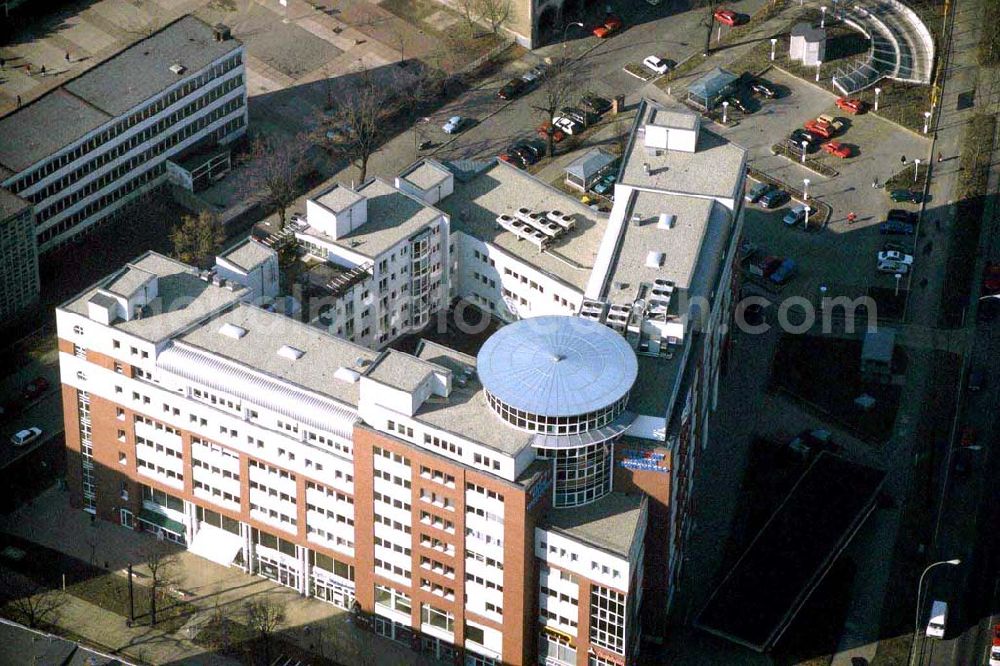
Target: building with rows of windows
<point x="529" y="504"/>
<point x="19" y="284"/>
<point x="83" y="151"/>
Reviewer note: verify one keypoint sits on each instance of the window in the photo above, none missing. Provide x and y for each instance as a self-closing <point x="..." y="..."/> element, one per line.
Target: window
<point x="387" y="597"/>
<point x="607" y="619"/>
<point x="437" y="618"/>
<point x="122" y="458"/>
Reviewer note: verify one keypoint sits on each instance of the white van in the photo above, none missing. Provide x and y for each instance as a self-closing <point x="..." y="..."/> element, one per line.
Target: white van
<point x="939" y="616"/>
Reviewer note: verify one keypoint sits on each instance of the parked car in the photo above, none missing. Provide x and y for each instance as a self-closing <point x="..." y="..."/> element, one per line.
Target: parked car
<point x="889" y="246"/>
<point x="895" y="227"/>
<point x="796" y="214"/>
<point x="35" y="388"/>
<point x="836" y="123"/>
<point x="532" y="75"/>
<point x="764" y="88"/>
<point x="512" y="88"/>
<point x="906" y="196"/>
<point x="969" y="436"/>
<point x="753" y="314"/>
<point x="598" y="105"/>
<point x="568" y="125"/>
<point x="851" y="105"/>
<point x="657" y="64"/>
<point x="577" y="115"/>
<point x="726" y="17"/>
<point x="895" y="255"/>
<point x="901" y="215"/>
<point x="820" y="129"/>
<point x="531" y="150"/>
<point x="454" y="125"/>
<point x="739" y="103"/>
<point x="26" y="436"/>
<point x="611" y="25"/>
<point x="796" y="138"/>
<point x="837" y="149"/>
<point x="995" y="648"/>
<point x="754" y="194"/>
<point x="991" y="279"/>
<point x="988" y="310"/>
<point x="784" y="272"/>
<point x="811" y="442"/>
<point x="977" y="380"/>
<point x="511" y="156"/>
<point x="774" y="198"/>
<point x="557" y="134"/>
<point x="892" y="266"/>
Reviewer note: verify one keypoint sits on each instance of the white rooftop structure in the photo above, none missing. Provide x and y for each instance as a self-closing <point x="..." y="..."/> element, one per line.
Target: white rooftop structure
<point x="557" y="366"/>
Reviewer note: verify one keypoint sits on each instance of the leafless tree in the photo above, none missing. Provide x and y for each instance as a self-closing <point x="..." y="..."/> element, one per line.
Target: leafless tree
<point x="272" y="173"/>
<point x="468" y="10"/>
<point x="357" y="128"/>
<point x="198" y="238"/>
<point x="495" y="12"/>
<point x="31" y="603"/>
<point x="621" y="135"/>
<point x="162" y="564"/>
<point x="557" y="85"/>
<point x="264" y="615"/>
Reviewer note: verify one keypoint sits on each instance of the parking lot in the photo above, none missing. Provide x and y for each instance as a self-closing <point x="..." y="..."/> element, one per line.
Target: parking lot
<point x="841" y="256"/>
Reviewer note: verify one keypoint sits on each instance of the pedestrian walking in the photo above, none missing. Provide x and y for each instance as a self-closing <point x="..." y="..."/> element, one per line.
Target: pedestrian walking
<point x="67" y="56"/>
<point x="940" y="157"/>
<point x="851" y="217"/>
<point x="27" y="68"/>
<point x="3" y="63"/>
<point x="43" y="70"/>
<point x="875" y="182"/>
<point x="19" y="101"/>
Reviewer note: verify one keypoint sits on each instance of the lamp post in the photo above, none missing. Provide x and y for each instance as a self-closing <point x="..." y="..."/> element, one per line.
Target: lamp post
<point x="774" y="44"/>
<point x="805" y="223"/>
<point x="805" y="189"/>
<point x="878" y="91"/>
<point x="805" y="144"/>
<point x="927" y="121"/>
<point x="822" y="20"/>
<point x="822" y="296"/>
<point x="419" y="122"/>
<point x="818" y="65"/>
<point x="916" y="168"/>
<point x="898" y="276"/>
<point x="566" y="30"/>
<point x="725" y="111"/>
<point x="920" y="585"/>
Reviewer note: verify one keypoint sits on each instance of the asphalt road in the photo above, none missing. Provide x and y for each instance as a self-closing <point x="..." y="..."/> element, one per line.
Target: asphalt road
<point x="45" y="413"/>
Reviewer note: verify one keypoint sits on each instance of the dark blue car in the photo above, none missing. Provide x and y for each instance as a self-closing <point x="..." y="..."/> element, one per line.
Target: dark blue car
<point x="895" y="227"/>
<point x="773" y="199"/>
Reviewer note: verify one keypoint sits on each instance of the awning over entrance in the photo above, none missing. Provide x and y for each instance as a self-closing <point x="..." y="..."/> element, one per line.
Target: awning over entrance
<point x="162" y="521"/>
<point x="216" y="545"/>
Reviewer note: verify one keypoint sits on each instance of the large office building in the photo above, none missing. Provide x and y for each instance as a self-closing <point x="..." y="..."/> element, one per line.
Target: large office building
<point x="526" y="504"/>
<point x="81" y="152"/>
<point x="19" y="285"/>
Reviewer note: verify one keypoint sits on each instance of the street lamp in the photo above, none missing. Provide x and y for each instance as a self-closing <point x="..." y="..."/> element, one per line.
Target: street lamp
<point x="725" y="111"/>
<point x="805" y="189"/>
<point x="916" y="168"/>
<point x="822" y="20"/>
<point x="898" y="276"/>
<point x="805" y="144"/>
<point x="927" y="120"/>
<point x="878" y="91"/>
<point x="806" y="223"/>
<point x="818" y="65"/>
<point x="774" y="44"/>
<point x="920" y="585"/>
<point x="566" y="30"/>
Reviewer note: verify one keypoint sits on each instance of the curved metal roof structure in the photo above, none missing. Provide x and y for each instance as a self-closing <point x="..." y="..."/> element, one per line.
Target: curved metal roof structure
<point x="557" y="366"/>
<point x="242" y="382"/>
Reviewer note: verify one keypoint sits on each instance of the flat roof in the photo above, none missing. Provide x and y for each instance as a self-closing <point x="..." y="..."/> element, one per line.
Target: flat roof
<point x="106" y="90"/>
<point x="446" y="357"/>
<point x="591" y="162"/>
<point x="715" y="168"/>
<point x="501" y="190"/>
<point x="338" y="198"/>
<point x="400" y="370"/>
<point x="610" y="523"/>
<point x="425" y="174"/>
<point x="651" y="393"/>
<point x="23" y="645"/>
<point x="788" y="558"/>
<point x="183" y="298"/>
<point x="557" y="365"/>
<point x="128" y="281"/>
<point x="267" y="332"/>
<point x="393" y="216"/>
<point x="248" y="254"/>
<point x="672" y="119"/>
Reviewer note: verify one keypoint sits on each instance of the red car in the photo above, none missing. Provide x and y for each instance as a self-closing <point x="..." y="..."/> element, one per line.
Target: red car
<point x="611" y="25"/>
<point x="819" y="128"/>
<point x="726" y="17"/>
<point x="968" y="436"/>
<point x="837" y="149"/>
<point x="557" y="135"/>
<point x="35" y="388"/>
<point x="852" y="105"/>
<point x="991" y="279"/>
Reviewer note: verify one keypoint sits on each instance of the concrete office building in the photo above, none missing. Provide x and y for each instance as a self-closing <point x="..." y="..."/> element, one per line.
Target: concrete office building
<point x="19" y="285"/>
<point x="83" y="151"/>
<point x="498" y="508"/>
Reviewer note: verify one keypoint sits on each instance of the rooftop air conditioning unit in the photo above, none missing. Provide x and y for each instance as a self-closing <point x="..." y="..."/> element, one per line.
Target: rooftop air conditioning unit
<point x="178" y="69"/>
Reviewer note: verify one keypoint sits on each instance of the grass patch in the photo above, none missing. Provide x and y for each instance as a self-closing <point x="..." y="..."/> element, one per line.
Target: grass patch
<point x="988" y="51"/>
<point x="904" y="178"/>
<point x="977" y="146"/>
<point x="811" y="163"/>
<point x="226" y="636"/>
<point x="825" y="373"/>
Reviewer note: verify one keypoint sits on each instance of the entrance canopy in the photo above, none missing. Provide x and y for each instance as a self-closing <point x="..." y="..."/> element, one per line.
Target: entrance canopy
<point x="216" y="545"/>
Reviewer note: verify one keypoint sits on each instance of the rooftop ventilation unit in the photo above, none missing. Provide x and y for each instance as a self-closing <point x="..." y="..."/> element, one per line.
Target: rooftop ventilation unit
<point x="362" y="362"/>
<point x="654" y="259"/>
<point x="666" y="221"/>
<point x="636" y="219"/>
<point x="232" y="331"/>
<point x="291" y="353"/>
<point x="347" y="375"/>
<point x="221" y="32"/>
<point x="178" y="68"/>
